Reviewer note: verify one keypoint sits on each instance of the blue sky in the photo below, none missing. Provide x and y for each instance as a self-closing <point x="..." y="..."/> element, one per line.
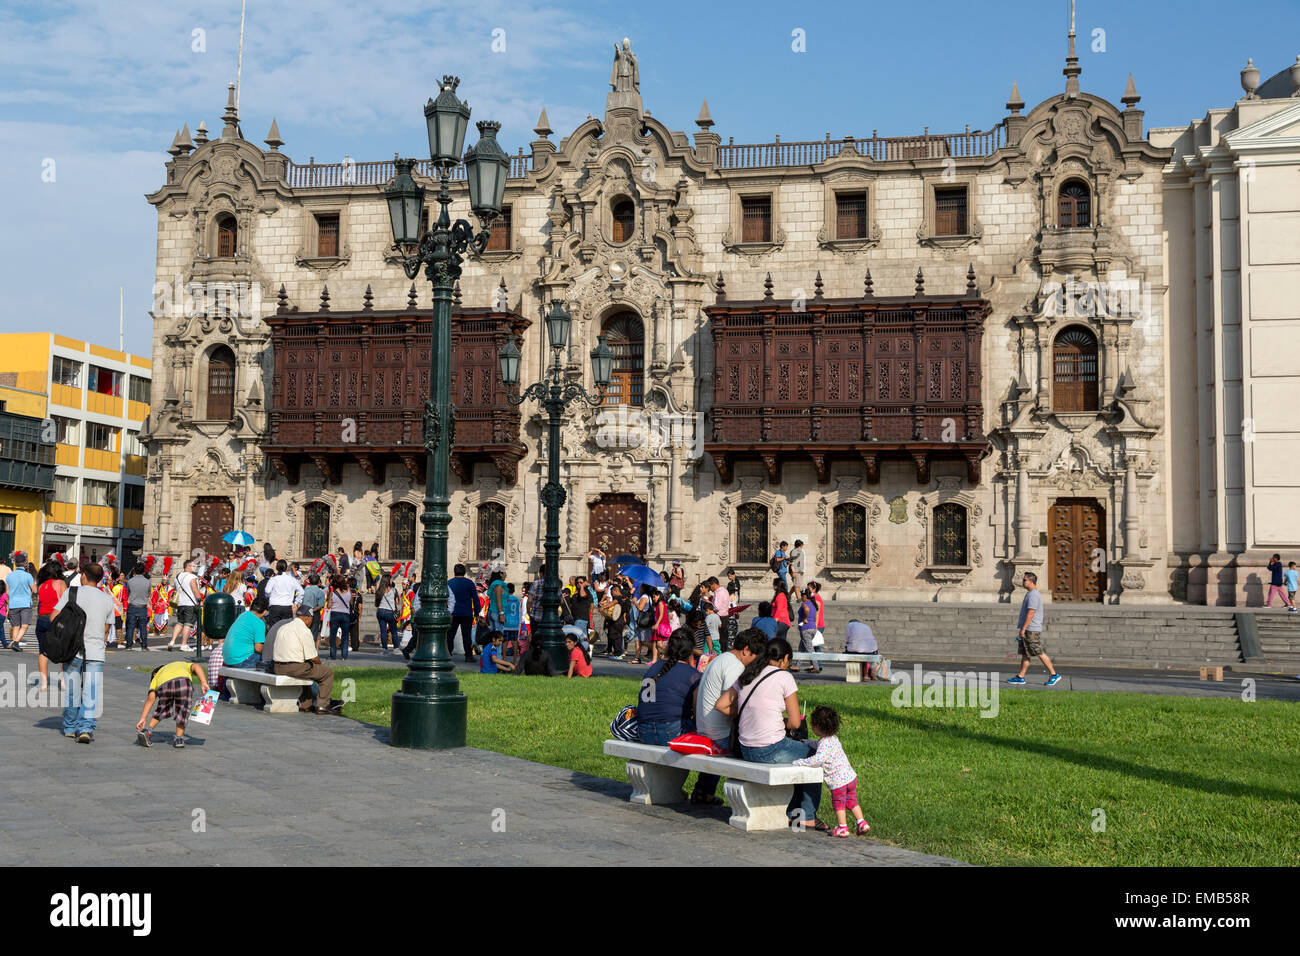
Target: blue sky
<point x="101" y="87"/>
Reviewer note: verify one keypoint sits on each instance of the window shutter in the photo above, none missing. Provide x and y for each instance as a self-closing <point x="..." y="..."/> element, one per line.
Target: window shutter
<point x="500" y="239"/>
<point x="850" y="215"/>
<point x="221" y="386"/>
<point x="756" y="218"/>
<point x="327" y="236"/>
<point x="950" y="211"/>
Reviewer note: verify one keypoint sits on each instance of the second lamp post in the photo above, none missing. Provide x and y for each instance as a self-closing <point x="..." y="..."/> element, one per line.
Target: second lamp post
<point x="554" y="393"/>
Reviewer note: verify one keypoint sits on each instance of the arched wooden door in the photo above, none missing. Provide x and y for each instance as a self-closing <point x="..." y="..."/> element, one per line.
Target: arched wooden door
<point x="617" y="525"/>
<point x="1078" y="550"/>
<point x="210" y="518"/>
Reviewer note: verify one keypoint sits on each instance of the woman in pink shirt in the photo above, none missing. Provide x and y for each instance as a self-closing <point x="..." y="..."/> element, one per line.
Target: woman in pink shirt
<point x="765" y="703"/>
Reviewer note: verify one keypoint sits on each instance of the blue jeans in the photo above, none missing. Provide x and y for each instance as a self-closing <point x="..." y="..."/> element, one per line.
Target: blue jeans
<point x="658" y="731"/>
<point x="250" y="664"/>
<point x="807" y="796"/>
<point x="83" y="695"/>
<point x="137" y="619"/>
<point x="341" y="625"/>
<point x="387" y="626"/>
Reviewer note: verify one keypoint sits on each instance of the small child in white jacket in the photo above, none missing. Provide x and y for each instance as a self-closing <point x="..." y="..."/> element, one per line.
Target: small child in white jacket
<point x="839" y="775"/>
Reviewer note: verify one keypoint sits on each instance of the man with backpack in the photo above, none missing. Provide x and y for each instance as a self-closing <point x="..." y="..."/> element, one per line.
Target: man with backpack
<point x="781" y="566"/>
<point x="79" y="631"/>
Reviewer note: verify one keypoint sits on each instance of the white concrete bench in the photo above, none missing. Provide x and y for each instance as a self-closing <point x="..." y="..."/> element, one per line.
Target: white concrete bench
<point x="852" y="662"/>
<point x="758" y="792"/>
<point x="278" y="692"/>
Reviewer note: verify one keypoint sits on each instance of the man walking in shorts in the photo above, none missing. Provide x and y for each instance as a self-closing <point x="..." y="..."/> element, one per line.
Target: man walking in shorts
<point x="1030" y="634"/>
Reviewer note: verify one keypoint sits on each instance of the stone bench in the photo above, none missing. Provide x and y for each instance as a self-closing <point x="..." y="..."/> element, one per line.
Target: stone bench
<point x="279" y="693"/>
<point x="757" y="792"/>
<point x="852" y="662"/>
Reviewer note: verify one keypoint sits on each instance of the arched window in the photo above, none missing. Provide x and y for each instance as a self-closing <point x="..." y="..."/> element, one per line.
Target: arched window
<point x="227" y="237"/>
<point x="751" y="534"/>
<point x="221" y="385"/>
<point x="950" y="535"/>
<point x="850" y="538"/>
<point x="316" y="530"/>
<point x="1074" y="371"/>
<point x="625" y="335"/>
<point x="623" y="211"/>
<point x="491" y="531"/>
<point x="401" y="531"/>
<point x="1074" y="205"/>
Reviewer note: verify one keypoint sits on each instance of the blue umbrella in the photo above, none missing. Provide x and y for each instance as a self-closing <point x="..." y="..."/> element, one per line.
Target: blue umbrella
<point x="242" y="538"/>
<point x="643" y="575"/>
<point x="625" y="559"/>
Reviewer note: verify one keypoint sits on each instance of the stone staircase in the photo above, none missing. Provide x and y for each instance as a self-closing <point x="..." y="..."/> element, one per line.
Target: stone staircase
<point x="1076" y="634"/>
<point x="1278" y="638"/>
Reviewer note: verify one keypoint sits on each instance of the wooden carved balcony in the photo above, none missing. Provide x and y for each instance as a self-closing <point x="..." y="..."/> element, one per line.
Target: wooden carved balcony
<point x="350" y="387"/>
<point x="853" y="380"/>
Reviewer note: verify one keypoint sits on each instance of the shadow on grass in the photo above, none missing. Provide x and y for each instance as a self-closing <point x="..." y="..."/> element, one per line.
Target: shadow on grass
<point x="1173" y="778"/>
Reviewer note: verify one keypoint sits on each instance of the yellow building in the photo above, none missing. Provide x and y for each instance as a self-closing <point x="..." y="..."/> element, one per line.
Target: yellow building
<point x="92" y="402"/>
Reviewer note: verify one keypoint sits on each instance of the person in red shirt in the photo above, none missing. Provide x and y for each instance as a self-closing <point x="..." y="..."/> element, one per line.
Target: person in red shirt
<point x="49" y="588"/>
<point x="816" y="589"/>
<point x="579" y="662"/>
<point x="780" y="605"/>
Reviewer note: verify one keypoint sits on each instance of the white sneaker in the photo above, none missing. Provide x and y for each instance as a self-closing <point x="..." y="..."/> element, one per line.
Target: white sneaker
<point x="186" y="649"/>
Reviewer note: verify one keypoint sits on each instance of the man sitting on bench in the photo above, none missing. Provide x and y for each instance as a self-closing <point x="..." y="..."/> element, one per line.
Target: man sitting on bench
<point x="295" y="655"/>
<point x="859" y="639"/>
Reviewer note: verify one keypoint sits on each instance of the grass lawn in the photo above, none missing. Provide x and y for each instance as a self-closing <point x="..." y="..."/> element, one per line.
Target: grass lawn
<point x="1181" y="781"/>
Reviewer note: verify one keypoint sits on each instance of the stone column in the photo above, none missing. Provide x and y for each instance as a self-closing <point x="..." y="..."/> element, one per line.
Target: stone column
<point x="1043" y="365"/>
<point x="1131" y="506"/>
<point x="1023" y="546"/>
<point x="165" y="506"/>
<point x="674" y="503"/>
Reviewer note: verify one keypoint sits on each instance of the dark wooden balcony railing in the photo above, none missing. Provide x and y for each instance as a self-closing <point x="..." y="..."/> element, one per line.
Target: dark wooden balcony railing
<point x="349" y="387"/>
<point x="865" y="380"/>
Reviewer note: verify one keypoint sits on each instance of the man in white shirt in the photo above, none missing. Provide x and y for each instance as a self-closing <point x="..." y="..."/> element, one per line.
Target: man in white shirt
<point x="295" y="655"/>
<point x="283" y="592"/>
<point x="797" y="565"/>
<point x="84" y="675"/>
<point x="597" y="558"/>
<point x="187" y="607"/>
<point x="719" y="676"/>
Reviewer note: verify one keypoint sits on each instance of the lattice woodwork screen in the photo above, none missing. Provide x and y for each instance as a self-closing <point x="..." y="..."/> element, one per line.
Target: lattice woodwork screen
<point x="625" y="335"/>
<point x="327" y="236"/>
<point x="756" y="218"/>
<point x="491" y="531"/>
<point x="316" y="529"/>
<point x="950" y="210"/>
<point x="227" y="238"/>
<point x="850" y="215"/>
<point x="624" y="215"/>
<point x="401" y="532"/>
<point x="1075" y="206"/>
<point x="221" y="386"/>
<point x="1074" y="371"/>
<point x="500" y="238"/>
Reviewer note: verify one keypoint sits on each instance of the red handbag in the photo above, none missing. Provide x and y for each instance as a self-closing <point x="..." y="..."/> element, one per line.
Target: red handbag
<point x="695" y="744"/>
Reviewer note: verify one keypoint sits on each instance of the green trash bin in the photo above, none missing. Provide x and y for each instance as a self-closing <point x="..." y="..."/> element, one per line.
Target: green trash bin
<point x="218" y="615"/>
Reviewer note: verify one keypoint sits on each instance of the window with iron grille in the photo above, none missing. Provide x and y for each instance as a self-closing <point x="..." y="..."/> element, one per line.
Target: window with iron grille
<point x="316" y="528"/>
<point x="8" y="528"/>
<point x="221" y="385"/>
<point x="491" y="531"/>
<point x="1074" y="371"/>
<point x="327" y="235"/>
<point x="751" y="533"/>
<point x="950" y="210"/>
<point x="499" y="240"/>
<point x="851" y="215"/>
<point x="227" y="237"/>
<point x="850" y="539"/>
<point x="1074" y="205"/>
<point x="756" y="218"/>
<point x="623" y="212"/>
<point x="401" y="532"/>
<point x="950" y="535"/>
<point x="625" y="335"/>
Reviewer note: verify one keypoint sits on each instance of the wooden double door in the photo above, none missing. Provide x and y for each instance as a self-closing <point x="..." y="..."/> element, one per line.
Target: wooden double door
<point x="617" y="525"/>
<point x="210" y="518"/>
<point x="1078" y="550"/>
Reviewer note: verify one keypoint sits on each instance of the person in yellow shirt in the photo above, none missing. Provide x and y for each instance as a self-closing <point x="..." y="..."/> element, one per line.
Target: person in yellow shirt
<point x="170" y="687"/>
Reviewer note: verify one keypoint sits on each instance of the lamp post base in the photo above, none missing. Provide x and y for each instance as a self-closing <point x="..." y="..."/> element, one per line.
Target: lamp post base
<point x="428" y="723"/>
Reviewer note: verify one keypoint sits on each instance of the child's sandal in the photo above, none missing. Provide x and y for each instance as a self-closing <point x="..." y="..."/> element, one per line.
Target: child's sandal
<point x="863" y="827"/>
<point x="840" y="831"/>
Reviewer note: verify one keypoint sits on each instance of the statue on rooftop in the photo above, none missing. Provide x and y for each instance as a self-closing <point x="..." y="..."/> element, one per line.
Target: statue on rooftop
<point x="624" y="77"/>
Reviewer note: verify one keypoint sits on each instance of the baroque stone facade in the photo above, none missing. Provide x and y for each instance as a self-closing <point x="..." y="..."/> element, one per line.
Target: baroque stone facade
<point x="627" y="215"/>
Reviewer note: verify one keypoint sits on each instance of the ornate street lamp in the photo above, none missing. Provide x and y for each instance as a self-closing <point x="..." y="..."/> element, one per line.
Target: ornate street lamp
<point x="430" y="711"/>
<point x="554" y="394"/>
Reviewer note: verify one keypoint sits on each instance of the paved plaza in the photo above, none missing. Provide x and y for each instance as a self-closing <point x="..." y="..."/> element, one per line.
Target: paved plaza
<point x="296" y="790"/>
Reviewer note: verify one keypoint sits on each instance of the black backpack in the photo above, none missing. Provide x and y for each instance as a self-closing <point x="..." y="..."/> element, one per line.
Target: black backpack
<point x="66" y="638"/>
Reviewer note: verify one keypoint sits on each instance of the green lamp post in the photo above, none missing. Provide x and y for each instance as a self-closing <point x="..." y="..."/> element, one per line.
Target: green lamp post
<point x="553" y="393"/>
<point x="429" y="711"/>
